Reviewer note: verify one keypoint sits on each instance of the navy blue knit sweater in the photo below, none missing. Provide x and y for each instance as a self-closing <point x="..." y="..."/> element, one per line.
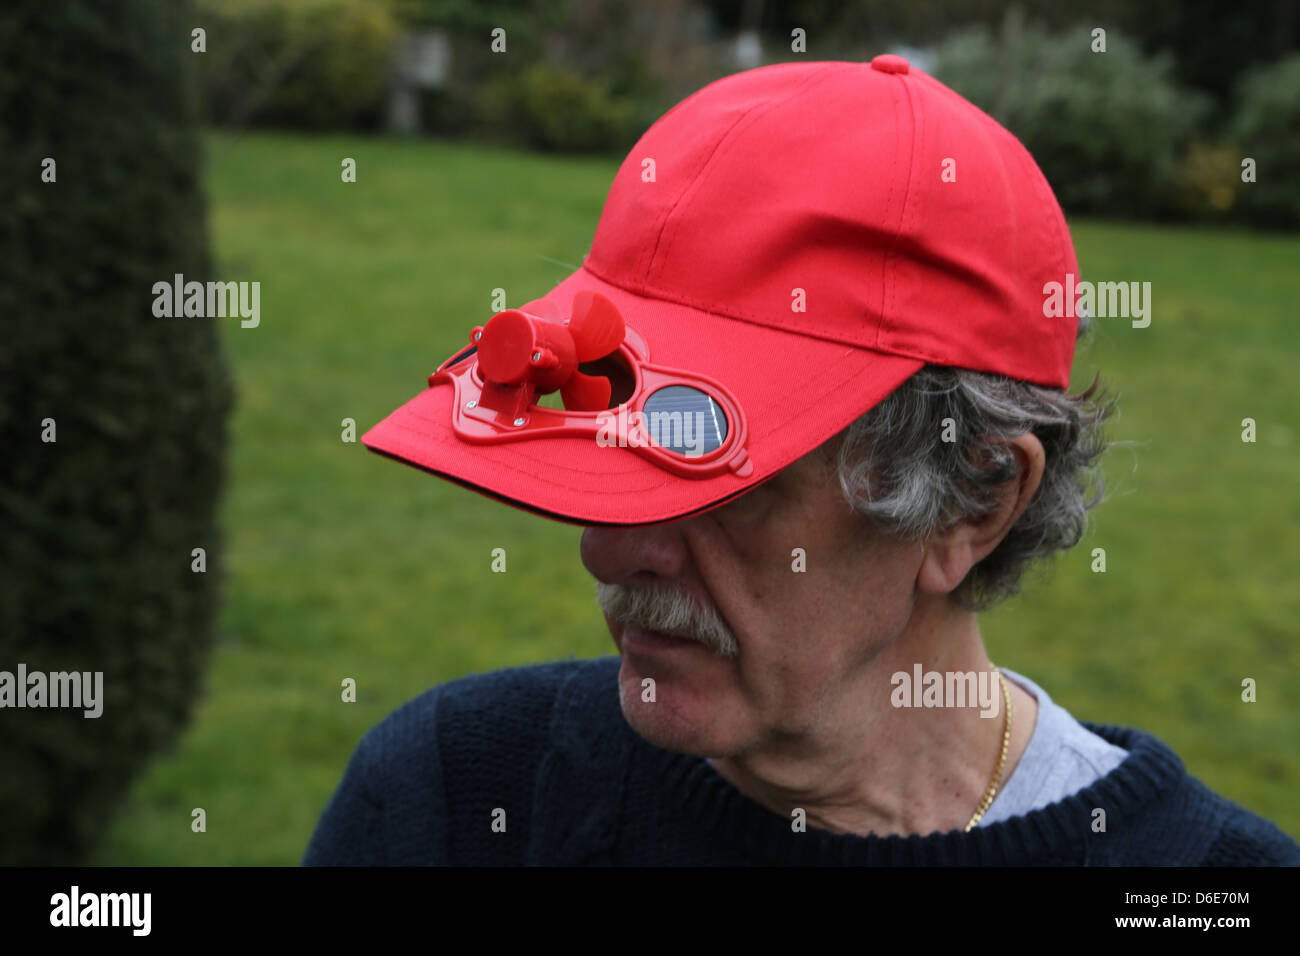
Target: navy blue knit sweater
<point x="549" y="746"/>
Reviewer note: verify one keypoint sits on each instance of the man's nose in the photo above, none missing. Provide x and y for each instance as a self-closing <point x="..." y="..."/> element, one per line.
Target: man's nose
<point x="634" y="555"/>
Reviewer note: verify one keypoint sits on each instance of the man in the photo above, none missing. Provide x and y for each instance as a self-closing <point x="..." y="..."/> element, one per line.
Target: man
<point x="814" y="417"/>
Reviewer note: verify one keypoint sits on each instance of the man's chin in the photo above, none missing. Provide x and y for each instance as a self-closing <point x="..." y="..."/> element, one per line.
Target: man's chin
<point x="673" y="713"/>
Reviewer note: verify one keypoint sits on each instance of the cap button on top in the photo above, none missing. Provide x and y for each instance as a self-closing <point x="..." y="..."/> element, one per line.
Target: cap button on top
<point x="890" y="63"/>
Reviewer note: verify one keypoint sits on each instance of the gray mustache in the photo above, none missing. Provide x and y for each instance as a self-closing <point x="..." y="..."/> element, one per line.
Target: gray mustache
<point x="669" y="610"/>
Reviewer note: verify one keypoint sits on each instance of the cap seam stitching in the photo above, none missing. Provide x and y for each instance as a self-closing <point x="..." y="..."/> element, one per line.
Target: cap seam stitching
<point x="660" y="295"/>
<point x="825" y="73"/>
<point x="889" y="273"/>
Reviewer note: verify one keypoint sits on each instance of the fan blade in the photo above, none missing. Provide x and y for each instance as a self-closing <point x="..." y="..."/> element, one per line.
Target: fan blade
<point x="596" y="325"/>
<point x="586" y="393"/>
<point x="543" y="309"/>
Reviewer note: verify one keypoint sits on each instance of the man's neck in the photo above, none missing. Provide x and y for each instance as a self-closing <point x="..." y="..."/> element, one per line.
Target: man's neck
<point x="871" y="767"/>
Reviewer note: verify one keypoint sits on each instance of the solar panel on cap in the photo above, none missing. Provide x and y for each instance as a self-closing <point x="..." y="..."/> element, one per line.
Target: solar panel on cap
<point x="700" y="426"/>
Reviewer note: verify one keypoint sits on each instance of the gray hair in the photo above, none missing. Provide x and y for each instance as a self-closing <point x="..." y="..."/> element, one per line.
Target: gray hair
<point x="895" y="467"/>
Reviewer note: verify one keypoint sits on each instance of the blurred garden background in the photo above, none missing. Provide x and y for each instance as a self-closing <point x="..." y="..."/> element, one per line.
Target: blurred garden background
<point x="478" y="170"/>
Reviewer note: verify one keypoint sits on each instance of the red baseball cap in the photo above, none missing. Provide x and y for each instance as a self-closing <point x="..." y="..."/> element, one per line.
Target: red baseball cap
<point x="778" y="253"/>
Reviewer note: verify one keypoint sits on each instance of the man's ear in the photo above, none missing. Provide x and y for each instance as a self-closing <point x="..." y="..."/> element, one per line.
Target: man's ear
<point x="950" y="554"/>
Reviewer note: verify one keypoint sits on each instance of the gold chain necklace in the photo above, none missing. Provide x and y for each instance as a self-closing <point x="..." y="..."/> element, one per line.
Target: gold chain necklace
<point x="1002" y="758"/>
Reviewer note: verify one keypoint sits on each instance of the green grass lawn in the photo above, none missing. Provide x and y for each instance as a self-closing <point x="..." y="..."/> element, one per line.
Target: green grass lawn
<point x="342" y="564"/>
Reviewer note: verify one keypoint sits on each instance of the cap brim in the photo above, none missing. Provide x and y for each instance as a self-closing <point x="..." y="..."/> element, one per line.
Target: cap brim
<point x="796" y="393"/>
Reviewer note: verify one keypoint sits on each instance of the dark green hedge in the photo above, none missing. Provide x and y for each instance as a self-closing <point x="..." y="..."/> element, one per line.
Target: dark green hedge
<point x="1108" y="129"/>
<point x="98" y="527"/>
<point x="1266" y="128"/>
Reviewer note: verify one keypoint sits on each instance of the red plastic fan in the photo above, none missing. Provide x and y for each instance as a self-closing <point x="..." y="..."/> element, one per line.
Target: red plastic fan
<point x="534" y="348"/>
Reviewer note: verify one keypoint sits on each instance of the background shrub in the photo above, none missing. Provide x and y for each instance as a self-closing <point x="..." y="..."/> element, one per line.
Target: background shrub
<point x="555" y="108"/>
<point x="1209" y="183"/>
<point x="313" y="64"/>
<point x="1107" y="129"/>
<point x="99" y="525"/>
<point x="1266" y="127"/>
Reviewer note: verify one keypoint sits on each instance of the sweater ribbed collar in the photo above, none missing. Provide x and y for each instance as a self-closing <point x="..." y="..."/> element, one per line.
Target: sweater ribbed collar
<point x="1060" y="833"/>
